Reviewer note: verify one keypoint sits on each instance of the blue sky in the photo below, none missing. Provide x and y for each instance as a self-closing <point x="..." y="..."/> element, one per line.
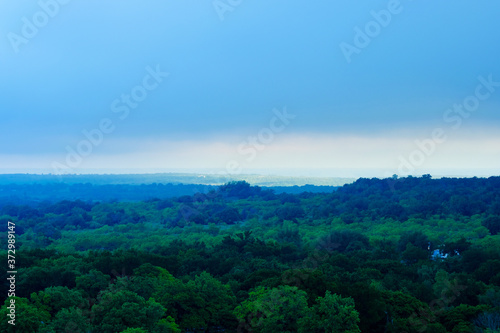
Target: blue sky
<point x="229" y="65"/>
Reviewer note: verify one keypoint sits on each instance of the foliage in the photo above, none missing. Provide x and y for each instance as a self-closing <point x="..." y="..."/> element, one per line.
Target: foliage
<point x="332" y="313"/>
<point x="28" y="318"/>
<point x="273" y="310"/>
<point x="393" y="255"/>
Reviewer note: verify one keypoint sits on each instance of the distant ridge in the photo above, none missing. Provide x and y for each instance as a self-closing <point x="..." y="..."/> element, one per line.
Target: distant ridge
<point x="172" y="178"/>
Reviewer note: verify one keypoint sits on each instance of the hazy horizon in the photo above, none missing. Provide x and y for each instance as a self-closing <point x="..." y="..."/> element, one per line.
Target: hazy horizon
<point x="319" y="173"/>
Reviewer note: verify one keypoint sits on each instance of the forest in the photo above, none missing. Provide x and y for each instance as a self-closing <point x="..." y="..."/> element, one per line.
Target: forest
<point x="32" y="194"/>
<point x="411" y="255"/>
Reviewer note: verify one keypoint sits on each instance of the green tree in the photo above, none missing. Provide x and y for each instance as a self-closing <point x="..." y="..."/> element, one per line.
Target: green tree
<point x="416" y="238"/>
<point x="167" y="325"/>
<point x="134" y="330"/>
<point x="200" y="303"/>
<point x="331" y="314"/>
<point x="406" y="313"/>
<point x="218" y="298"/>
<point x="182" y="303"/>
<point x="93" y="282"/>
<point x="70" y="320"/>
<point x="272" y="310"/>
<point x="54" y="299"/>
<point x="492" y="223"/>
<point x="147" y="278"/>
<point x="120" y="309"/>
<point x="459" y="318"/>
<point x="28" y="318"/>
<point x="488" y="321"/>
<point x="413" y="254"/>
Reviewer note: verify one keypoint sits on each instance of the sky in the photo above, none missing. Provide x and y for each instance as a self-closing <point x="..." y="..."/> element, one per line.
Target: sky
<point x="338" y="88"/>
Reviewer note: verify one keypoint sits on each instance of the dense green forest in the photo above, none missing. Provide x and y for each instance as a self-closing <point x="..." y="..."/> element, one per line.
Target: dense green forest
<point x="379" y="255"/>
